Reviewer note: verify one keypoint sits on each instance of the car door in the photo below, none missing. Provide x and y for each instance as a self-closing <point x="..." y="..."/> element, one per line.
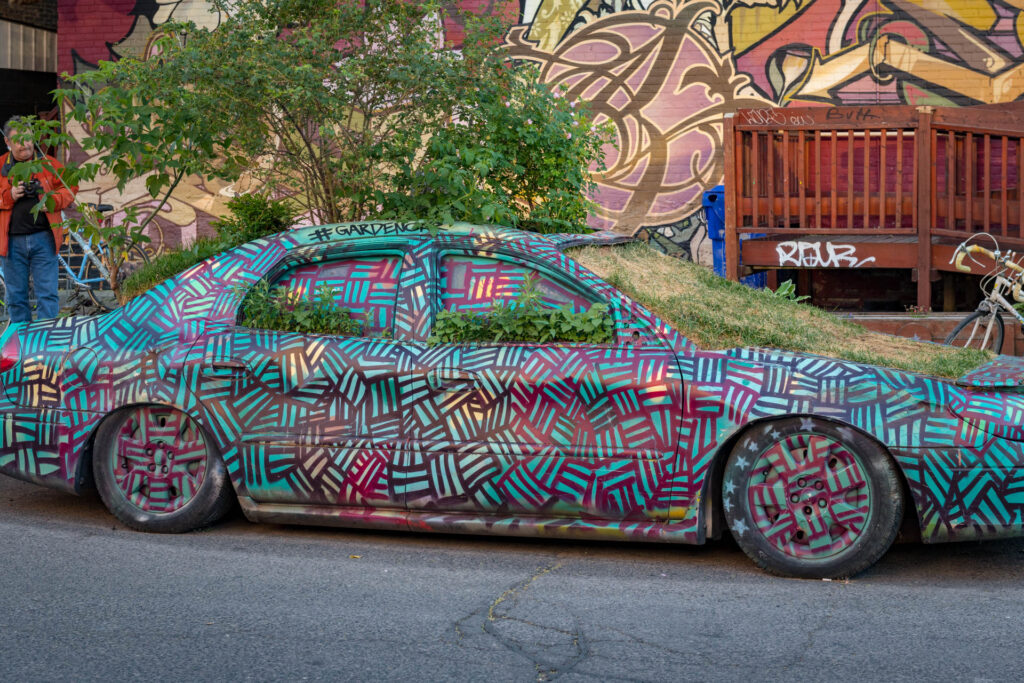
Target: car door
<point x="317" y="415"/>
<point x="563" y="430"/>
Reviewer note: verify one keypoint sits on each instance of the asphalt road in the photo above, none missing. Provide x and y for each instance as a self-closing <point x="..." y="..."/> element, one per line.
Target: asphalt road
<point x="83" y="598"/>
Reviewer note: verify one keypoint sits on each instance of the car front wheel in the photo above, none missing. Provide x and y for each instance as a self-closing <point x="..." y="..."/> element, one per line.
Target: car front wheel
<point x="809" y="498"/>
<point x="156" y="471"/>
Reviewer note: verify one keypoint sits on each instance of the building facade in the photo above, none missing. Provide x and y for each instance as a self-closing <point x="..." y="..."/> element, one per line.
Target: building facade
<point x="28" y="57"/>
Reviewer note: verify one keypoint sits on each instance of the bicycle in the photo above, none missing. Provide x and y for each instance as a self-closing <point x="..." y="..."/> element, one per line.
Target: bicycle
<point x="983" y="328"/>
<point x="81" y="260"/>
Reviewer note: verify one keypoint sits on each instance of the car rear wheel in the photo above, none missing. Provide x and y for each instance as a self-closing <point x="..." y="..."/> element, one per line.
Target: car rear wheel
<point x="809" y="498"/>
<point x="156" y="471"/>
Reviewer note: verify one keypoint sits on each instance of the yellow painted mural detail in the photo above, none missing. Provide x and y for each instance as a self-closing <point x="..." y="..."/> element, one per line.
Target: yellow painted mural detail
<point x="748" y="25"/>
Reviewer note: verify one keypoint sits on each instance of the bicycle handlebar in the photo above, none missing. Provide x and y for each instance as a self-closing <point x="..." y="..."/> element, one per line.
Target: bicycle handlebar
<point x="1004" y="260"/>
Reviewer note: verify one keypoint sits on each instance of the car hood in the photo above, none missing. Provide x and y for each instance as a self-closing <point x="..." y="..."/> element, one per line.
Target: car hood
<point x="1005" y="373"/>
<point x="990" y="399"/>
<point x="993" y="398"/>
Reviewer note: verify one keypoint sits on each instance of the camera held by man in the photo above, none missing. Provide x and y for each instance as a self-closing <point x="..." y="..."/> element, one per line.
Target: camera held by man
<point x="32" y="189"/>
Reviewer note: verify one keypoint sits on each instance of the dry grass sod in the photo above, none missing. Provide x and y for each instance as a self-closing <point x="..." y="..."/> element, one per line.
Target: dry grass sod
<point x="718" y="314"/>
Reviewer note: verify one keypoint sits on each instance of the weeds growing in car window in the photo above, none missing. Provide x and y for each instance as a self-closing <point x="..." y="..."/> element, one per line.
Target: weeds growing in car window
<point x="277" y="308"/>
<point x="525" y="319"/>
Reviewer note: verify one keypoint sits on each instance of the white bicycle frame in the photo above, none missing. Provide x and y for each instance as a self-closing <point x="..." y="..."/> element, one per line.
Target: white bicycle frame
<point x="995" y="284"/>
<point x="993" y="303"/>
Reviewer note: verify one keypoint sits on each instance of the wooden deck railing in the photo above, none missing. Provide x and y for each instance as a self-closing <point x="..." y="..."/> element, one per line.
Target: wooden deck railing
<point x="887" y="186"/>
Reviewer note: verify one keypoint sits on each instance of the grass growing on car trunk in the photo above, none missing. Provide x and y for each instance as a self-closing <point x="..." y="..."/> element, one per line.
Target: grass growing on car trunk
<point x="717" y="314"/>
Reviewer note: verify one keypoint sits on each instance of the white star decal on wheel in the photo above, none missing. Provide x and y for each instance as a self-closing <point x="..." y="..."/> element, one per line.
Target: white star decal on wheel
<point x="727" y="504"/>
<point x="729" y="486"/>
<point x="776" y="434"/>
<point x="741" y="461"/>
<point x="739" y="527"/>
<point x="807" y="423"/>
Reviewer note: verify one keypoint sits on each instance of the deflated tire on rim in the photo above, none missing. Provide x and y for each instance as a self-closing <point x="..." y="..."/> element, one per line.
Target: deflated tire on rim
<point x="809" y="498"/>
<point x="156" y="471"/>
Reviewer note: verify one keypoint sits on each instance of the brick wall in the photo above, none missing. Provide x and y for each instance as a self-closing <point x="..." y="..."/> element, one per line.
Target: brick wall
<point x="37" y="13"/>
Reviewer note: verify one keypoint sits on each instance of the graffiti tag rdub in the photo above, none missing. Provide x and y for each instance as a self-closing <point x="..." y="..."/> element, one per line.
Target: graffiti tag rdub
<point x="819" y="255"/>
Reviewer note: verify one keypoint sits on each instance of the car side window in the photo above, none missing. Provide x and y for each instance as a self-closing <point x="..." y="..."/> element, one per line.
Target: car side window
<point x="366" y="285"/>
<point x="471" y="283"/>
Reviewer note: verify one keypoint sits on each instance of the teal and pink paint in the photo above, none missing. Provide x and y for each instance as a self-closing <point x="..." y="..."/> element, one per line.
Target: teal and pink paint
<point x="168" y="406"/>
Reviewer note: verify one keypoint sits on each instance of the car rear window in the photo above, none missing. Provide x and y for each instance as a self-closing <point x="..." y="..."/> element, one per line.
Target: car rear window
<point x="474" y="283"/>
<point x="367" y="286"/>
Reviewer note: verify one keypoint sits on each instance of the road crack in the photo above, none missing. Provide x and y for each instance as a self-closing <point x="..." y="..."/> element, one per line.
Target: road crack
<point x="551" y="641"/>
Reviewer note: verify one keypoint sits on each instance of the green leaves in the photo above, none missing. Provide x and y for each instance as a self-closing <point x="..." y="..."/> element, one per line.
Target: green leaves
<point x="787" y="290"/>
<point x="514" y="153"/>
<point x="351" y="109"/>
<point x="278" y="308"/>
<point x="509" y="323"/>
<point x="253" y="216"/>
<point x="526" y="319"/>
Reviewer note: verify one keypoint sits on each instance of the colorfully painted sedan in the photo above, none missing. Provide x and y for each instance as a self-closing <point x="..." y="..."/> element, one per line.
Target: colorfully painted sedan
<point x="173" y="410"/>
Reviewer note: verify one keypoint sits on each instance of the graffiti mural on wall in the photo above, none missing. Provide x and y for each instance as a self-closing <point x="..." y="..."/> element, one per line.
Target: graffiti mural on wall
<point x="665" y="72"/>
<point x="658" y="78"/>
<point x="889" y="52"/>
<point x="128" y="29"/>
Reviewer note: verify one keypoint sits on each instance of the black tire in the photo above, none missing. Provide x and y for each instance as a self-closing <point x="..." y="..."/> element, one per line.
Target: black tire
<point x="156" y="470"/>
<point x="808" y="498"/>
<point x="101" y="294"/>
<point x="970" y="332"/>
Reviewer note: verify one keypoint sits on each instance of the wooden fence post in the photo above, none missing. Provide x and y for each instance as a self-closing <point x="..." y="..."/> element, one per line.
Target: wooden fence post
<point x="925" y="173"/>
<point x="733" y="190"/>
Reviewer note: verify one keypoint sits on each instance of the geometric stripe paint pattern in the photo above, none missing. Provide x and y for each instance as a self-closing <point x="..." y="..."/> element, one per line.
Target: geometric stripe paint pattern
<point x="617" y="440"/>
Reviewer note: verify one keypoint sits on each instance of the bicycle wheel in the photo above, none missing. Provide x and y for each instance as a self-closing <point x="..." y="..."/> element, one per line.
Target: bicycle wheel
<point x="100" y="293"/>
<point x="979" y="330"/>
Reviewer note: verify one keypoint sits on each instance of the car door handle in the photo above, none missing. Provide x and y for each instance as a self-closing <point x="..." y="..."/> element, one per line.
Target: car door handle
<point x="223" y="369"/>
<point x="452" y="379"/>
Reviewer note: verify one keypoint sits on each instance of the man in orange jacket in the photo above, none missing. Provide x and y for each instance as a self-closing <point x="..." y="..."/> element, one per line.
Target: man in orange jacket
<point x="29" y="243"/>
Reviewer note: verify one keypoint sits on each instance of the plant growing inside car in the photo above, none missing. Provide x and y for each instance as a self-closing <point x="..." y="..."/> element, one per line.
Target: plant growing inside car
<point x="525" y="319"/>
<point x="277" y="308"/>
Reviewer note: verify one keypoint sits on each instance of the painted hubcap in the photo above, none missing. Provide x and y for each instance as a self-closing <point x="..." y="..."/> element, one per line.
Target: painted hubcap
<point x="808" y="496"/>
<point x="160" y="461"/>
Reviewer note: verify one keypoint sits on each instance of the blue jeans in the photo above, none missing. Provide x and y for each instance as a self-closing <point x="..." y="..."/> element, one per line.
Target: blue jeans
<point x="34" y="255"/>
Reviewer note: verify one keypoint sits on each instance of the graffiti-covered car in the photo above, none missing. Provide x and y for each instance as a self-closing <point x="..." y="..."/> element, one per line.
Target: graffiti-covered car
<point x="173" y="409"/>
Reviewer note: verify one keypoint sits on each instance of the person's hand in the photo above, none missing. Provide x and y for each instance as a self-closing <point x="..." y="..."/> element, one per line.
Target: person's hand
<point x="17" y="191"/>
